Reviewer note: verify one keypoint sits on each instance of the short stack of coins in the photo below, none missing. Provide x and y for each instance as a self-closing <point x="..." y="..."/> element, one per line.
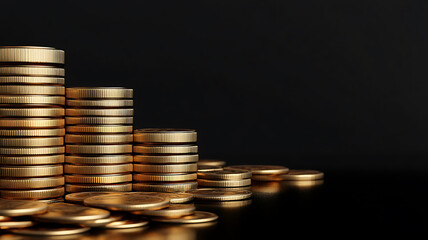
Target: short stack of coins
<point x="31" y="122"/>
<point x="165" y="160"/>
<point x="236" y="179"/>
<point x="99" y="139"/>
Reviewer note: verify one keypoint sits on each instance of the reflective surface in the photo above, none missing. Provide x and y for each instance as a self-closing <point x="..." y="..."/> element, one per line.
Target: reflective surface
<point x="345" y="204"/>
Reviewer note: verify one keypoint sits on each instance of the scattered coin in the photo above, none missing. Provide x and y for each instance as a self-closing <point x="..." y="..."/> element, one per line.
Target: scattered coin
<point x="211" y="163"/>
<point x="127" y="223"/>
<point x="208" y="168"/>
<point x="261" y="169"/>
<point x="172" y="211"/>
<point x="225" y="174"/>
<point x="51" y="230"/>
<point x="15" y="224"/>
<point x="79" y="197"/>
<point x="128" y="202"/>
<point x="196" y="217"/>
<point x="221" y="194"/>
<point x="101" y="222"/>
<point x="303" y="175"/>
<point x="71" y="213"/>
<point x="14" y="208"/>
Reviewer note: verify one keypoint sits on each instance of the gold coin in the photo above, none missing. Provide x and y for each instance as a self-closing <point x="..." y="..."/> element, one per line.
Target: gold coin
<point x="165" y="187"/>
<point x="99" y="179"/>
<point x="71" y="213"/>
<point x="32" y="194"/>
<point x="32" y="132"/>
<point x="32" y="150"/>
<point x="165" y="149"/>
<point x="225" y="204"/>
<point x="15" y="224"/>
<point x="31" y="100"/>
<point x="31" y="112"/>
<point x="15" y="208"/>
<point x="173" y="197"/>
<point x="172" y="211"/>
<point x="31" y="183"/>
<point x="211" y="163"/>
<point x="98" y="160"/>
<point x="99" y="149"/>
<point x="32" y="70"/>
<point x="79" y="197"/>
<point x="51" y="230"/>
<point x="99" y="120"/>
<point x="165" y="135"/>
<point x="127" y="223"/>
<point x="158" y="177"/>
<point x="31" y="160"/>
<point x="52" y="200"/>
<point x="113" y="112"/>
<point x="97" y="169"/>
<point x="99" y="92"/>
<point x="30" y="54"/>
<point x="225" y="175"/>
<point x="260" y="169"/>
<point x="31" y="122"/>
<point x="99" y="129"/>
<point x="101" y="222"/>
<point x="100" y="103"/>
<point x="31" y="80"/>
<point x="32" y="142"/>
<point x="125" y="187"/>
<point x="224" y="183"/>
<point x="166" y="159"/>
<point x="127" y="202"/>
<point x="172" y="168"/>
<point x="31" y="171"/>
<point x="31" y="90"/>
<point x="4" y="218"/>
<point x="221" y="194"/>
<point x="99" y="139"/>
<point x="208" y="169"/>
<point x="196" y="217"/>
<point x="303" y="175"/>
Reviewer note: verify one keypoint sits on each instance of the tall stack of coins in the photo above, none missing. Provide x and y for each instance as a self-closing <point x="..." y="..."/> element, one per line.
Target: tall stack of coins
<point x="165" y="160"/>
<point x="31" y="122"/>
<point x="99" y="139"/>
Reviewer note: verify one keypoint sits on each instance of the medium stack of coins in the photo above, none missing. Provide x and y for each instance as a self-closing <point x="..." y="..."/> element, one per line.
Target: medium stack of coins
<point x="99" y="139"/>
<point x="165" y="160"/>
<point x="31" y="122"/>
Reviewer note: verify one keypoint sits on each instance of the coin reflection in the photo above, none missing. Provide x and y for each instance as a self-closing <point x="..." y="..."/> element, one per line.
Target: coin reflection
<point x="263" y="188"/>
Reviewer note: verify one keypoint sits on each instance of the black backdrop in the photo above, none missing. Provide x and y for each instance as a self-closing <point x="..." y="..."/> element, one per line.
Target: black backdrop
<point x="261" y="81"/>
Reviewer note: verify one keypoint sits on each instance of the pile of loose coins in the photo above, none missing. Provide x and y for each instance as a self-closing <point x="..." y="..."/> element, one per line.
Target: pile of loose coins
<point x="165" y="160"/>
<point x="32" y="99"/>
<point x="99" y="139"/>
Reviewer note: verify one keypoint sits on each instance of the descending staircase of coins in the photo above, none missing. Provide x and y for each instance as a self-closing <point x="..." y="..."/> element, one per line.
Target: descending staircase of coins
<point x="70" y="159"/>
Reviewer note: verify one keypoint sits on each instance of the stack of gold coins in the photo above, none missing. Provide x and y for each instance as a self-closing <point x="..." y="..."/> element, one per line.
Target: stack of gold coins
<point x="165" y="160"/>
<point x="31" y="122"/>
<point x="99" y="139"/>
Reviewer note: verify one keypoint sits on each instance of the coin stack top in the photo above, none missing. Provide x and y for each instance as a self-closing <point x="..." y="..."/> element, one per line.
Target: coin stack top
<point x="32" y="99"/>
<point x="165" y="160"/>
<point x="99" y="139"/>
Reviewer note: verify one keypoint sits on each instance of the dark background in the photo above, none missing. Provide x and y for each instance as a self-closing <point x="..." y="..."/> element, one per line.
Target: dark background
<point x="338" y="83"/>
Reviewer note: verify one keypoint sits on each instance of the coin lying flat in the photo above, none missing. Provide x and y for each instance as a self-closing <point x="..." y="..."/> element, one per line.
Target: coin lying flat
<point x="98" y="160"/>
<point x="31" y="70"/>
<point x="99" y="92"/>
<point x="304" y="183"/>
<point x="79" y="197"/>
<point x="98" y="120"/>
<point x="99" y="149"/>
<point x="14" y="208"/>
<point x="225" y="175"/>
<point x="101" y="222"/>
<point x="211" y="162"/>
<point x="98" y="179"/>
<point x="30" y="54"/>
<point x="208" y="168"/>
<point x="224" y="183"/>
<point x="51" y="230"/>
<point x="221" y="194"/>
<point x="15" y="224"/>
<point x="166" y="159"/>
<point x="158" y="177"/>
<point x="172" y="211"/>
<point x="165" y="149"/>
<point x="173" y="197"/>
<point x="127" y="202"/>
<point x="173" y="168"/>
<point x="71" y="213"/>
<point x="32" y="194"/>
<point x="5" y="218"/>
<point x="31" y="171"/>
<point x="302" y="175"/>
<point x="260" y="169"/>
<point x="165" y="135"/>
<point x="31" y="183"/>
<point x="32" y="160"/>
<point x="122" y="187"/>
<point x="165" y="187"/>
<point x="127" y="223"/>
<point x="97" y="169"/>
<point x="196" y="217"/>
